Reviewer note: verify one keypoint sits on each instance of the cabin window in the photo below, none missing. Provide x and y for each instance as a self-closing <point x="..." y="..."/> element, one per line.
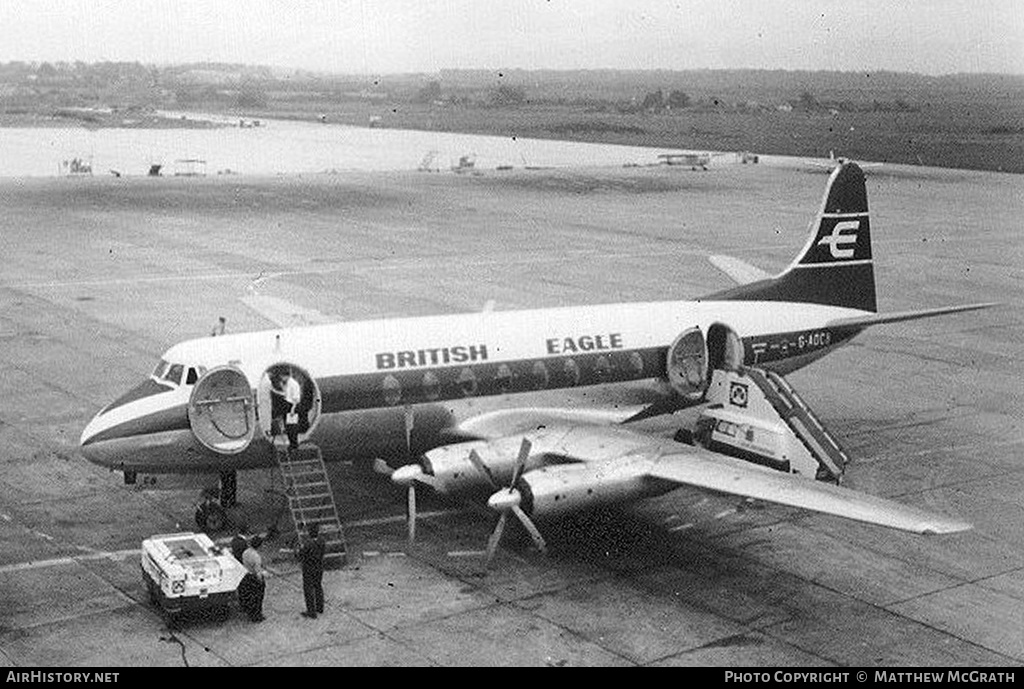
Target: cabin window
<point x="540" y="375"/>
<point x="572" y="371"/>
<point x="602" y="368"/>
<point x="467" y="382"/>
<point x="504" y="378"/>
<point x="431" y="386"/>
<point x="637" y="363"/>
<point x="392" y="391"/>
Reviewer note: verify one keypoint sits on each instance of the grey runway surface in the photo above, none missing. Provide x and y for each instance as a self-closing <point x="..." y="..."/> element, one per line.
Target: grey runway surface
<point x="102" y="275"/>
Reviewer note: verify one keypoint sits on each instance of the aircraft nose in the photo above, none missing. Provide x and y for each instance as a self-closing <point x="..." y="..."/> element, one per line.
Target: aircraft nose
<point x="88" y="445"/>
<point x="89" y="432"/>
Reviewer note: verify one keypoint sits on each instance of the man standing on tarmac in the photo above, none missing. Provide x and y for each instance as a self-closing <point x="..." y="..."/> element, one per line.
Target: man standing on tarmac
<point x="253" y="585"/>
<point x="311" y="555"/>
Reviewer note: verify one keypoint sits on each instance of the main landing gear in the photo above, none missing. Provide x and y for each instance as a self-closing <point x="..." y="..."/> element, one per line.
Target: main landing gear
<point x="211" y="511"/>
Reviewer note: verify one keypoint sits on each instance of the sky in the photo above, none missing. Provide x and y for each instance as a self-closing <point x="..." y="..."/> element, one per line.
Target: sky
<point x="387" y="36"/>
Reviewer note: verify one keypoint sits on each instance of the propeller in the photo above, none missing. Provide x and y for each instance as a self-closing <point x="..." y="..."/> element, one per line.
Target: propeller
<point x="507" y="500"/>
<point x="408" y="475"/>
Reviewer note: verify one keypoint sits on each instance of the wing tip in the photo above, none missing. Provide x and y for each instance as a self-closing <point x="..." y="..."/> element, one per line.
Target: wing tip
<point x="945" y="528"/>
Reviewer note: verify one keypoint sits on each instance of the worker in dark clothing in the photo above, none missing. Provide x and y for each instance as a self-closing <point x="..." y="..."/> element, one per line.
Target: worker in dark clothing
<point x="311" y="555"/>
<point x="253" y="585"/>
<point x="238" y="546"/>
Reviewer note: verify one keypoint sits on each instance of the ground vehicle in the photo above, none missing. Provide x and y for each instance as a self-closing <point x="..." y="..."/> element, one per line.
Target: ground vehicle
<point x="188" y="571"/>
<point x="757" y="416"/>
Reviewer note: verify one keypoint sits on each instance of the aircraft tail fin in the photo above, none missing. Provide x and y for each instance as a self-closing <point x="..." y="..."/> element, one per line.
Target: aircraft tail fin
<point x="835" y="267"/>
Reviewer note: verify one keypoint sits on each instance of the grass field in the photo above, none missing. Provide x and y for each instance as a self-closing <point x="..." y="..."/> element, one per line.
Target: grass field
<point x="970" y="121"/>
<point x="989" y="137"/>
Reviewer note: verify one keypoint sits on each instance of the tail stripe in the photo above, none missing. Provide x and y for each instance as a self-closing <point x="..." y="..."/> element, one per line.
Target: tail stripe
<point x="839" y="248"/>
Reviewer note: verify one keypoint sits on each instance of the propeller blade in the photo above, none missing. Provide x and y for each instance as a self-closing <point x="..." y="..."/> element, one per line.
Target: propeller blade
<point x="492" y="542"/>
<point x="524" y="454"/>
<point x="411" y="511"/>
<point x="530" y="527"/>
<point x="474" y="458"/>
<point x="409" y="423"/>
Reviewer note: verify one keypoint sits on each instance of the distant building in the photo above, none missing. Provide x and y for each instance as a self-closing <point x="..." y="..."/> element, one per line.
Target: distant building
<point x="190" y="167"/>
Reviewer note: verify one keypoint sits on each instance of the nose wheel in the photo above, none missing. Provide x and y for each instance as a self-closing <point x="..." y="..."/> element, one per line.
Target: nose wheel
<point x="211" y="517"/>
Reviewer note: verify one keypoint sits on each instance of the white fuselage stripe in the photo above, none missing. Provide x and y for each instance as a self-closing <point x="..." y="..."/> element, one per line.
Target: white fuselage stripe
<point x="342" y="349"/>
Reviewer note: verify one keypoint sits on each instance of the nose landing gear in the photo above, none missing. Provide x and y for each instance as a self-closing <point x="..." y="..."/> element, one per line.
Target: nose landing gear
<point x="211" y="512"/>
<point x="210" y="516"/>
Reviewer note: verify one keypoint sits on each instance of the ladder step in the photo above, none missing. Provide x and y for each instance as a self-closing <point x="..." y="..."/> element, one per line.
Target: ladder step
<point x="306" y="479"/>
<point x="308" y="490"/>
<point x="311" y="498"/>
<point x="308" y="514"/>
<point x="300" y="466"/>
<point x="306" y="506"/>
<point x="309" y="487"/>
<point x="317" y="514"/>
<point x="305" y="498"/>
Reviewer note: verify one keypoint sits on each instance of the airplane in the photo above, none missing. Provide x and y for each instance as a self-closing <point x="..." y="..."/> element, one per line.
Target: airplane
<point x="538" y="407"/>
<point x="699" y="160"/>
<point x="690" y="159"/>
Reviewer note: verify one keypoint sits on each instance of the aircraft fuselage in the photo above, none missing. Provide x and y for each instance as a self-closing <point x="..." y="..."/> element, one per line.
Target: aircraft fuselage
<point x="395" y="388"/>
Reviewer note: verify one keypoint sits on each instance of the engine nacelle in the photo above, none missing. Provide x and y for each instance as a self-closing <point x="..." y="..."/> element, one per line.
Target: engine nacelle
<point x="451" y="466"/>
<point x="556" y="490"/>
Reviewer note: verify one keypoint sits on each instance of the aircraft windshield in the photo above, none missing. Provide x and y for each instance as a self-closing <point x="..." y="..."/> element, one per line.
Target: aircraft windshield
<point x="166" y="372"/>
<point x="161" y="369"/>
<point x="173" y="374"/>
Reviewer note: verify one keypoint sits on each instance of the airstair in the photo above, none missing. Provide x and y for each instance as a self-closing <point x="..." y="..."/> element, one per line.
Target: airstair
<point x="310" y="498"/>
<point x="792" y="409"/>
<point x="755" y="415"/>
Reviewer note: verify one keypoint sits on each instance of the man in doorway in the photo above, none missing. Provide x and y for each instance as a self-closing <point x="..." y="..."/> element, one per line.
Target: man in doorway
<point x="291" y="392"/>
<point x="311" y="555"/>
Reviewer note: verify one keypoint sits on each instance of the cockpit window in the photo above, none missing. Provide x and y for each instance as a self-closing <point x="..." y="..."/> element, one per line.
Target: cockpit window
<point x="191" y="377"/>
<point x="173" y="374"/>
<point x="160" y="369"/>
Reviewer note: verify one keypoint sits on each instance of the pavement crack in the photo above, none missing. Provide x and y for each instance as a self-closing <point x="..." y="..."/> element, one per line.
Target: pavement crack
<point x="173" y="638"/>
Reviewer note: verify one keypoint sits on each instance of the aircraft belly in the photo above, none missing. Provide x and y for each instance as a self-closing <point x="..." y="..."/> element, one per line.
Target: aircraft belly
<point x="174" y="452"/>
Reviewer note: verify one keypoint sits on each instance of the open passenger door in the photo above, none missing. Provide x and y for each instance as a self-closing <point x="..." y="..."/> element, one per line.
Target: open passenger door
<point x="221" y="410"/>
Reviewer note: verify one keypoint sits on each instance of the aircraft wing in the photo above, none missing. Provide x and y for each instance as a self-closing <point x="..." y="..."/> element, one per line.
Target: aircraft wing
<point x="896" y="317"/>
<point x="697" y="467"/>
<point x="567" y="438"/>
<point x="740" y="272"/>
<point x="514" y="423"/>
